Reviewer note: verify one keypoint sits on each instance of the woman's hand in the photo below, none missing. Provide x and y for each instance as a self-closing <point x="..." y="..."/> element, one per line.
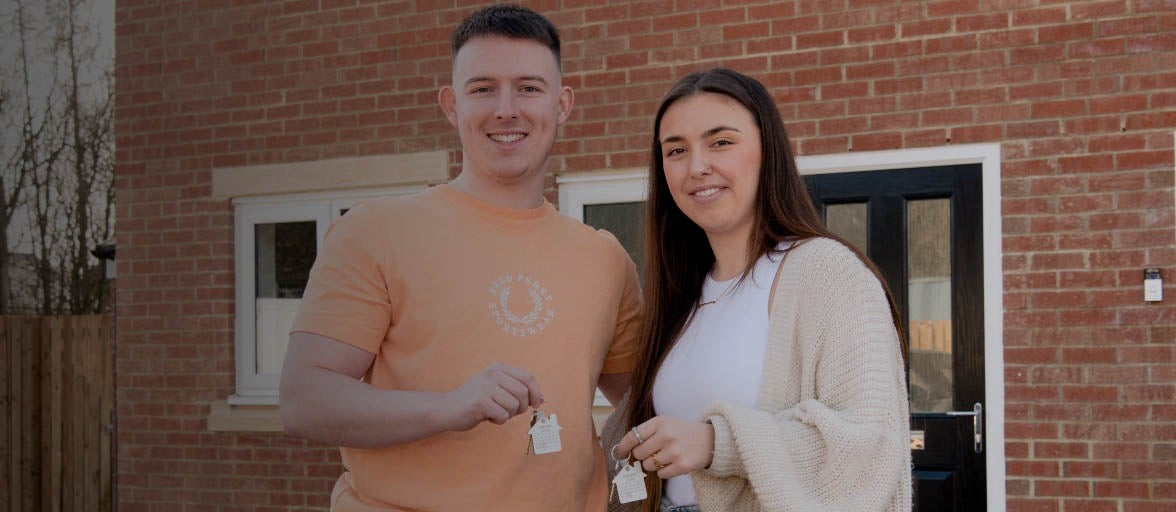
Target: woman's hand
<point x="670" y="446"/>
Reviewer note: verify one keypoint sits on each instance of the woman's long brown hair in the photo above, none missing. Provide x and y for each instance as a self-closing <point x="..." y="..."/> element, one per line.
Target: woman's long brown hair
<point x="678" y="253"/>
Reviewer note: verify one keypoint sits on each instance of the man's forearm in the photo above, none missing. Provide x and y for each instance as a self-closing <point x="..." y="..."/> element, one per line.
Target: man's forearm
<point x="336" y="409"/>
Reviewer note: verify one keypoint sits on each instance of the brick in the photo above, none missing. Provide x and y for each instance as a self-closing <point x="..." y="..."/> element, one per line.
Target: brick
<point x="1031" y="356"/>
<point x="1061" y="488"/>
<point x="1136" y="490"/>
<point x="1090" y="505"/>
<point x="1048" y="450"/>
<point x="1032" y="505"/>
<point x="1044" y="469"/>
<point x="977" y="23"/>
<point x="925" y="28"/>
<point x="1092" y="432"/>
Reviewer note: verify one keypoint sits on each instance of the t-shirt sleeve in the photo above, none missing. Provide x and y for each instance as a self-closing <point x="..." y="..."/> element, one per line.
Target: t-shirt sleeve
<point x="347" y="296"/>
<point x="623" y="354"/>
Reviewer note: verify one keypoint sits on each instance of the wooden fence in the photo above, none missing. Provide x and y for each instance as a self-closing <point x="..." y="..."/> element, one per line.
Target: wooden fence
<point x="56" y="433"/>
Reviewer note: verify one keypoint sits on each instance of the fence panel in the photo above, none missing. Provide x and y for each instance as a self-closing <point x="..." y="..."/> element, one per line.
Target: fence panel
<point x="57" y="396"/>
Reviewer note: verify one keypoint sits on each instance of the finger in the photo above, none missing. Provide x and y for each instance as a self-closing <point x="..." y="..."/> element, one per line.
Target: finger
<point x="507" y="401"/>
<point x="495" y="413"/>
<point x="617" y="454"/>
<point x="649" y="447"/>
<point x="651" y="427"/>
<point x="535" y="395"/>
<point x="648" y="465"/>
<point x="626" y="445"/>
<point x="669" y="471"/>
<point x="518" y="391"/>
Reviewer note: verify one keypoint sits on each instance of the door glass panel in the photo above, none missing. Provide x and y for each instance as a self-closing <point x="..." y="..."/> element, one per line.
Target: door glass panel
<point x="626" y="221"/>
<point x="929" y="299"/>
<point x="284" y="254"/>
<point x="849" y="221"/>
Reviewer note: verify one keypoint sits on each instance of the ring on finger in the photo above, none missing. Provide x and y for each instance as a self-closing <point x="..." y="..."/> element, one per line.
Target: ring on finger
<point x="657" y="463"/>
<point x="637" y="434"/>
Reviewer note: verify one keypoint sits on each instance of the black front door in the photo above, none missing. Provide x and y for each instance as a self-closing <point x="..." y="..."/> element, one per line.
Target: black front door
<point x="923" y="229"/>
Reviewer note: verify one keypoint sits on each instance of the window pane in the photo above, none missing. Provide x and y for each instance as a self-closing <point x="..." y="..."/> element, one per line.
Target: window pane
<point x="929" y="289"/>
<point x="285" y="253"/>
<point x="849" y="221"/>
<point x="626" y="221"/>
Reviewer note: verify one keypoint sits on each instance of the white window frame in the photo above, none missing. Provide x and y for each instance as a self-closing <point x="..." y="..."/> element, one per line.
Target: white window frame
<point x="585" y="189"/>
<point x="254" y="387"/>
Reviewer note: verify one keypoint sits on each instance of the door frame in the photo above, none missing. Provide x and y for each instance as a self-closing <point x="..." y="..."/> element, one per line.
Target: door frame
<point x="988" y="156"/>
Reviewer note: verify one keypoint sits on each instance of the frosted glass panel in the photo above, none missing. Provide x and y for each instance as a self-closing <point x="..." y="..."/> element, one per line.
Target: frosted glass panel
<point x="929" y="299"/>
<point x="849" y="221"/>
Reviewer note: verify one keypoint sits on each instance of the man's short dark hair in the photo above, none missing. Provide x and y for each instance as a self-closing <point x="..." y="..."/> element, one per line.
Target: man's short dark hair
<point x="510" y="21"/>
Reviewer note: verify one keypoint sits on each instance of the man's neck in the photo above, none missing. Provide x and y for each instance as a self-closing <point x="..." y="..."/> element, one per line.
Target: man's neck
<point x="521" y="195"/>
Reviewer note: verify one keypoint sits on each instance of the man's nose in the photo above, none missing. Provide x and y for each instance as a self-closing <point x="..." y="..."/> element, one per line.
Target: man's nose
<point x="507" y="106"/>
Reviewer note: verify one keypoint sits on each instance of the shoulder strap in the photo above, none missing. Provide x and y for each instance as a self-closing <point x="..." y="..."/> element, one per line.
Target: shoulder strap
<point x="779" y="272"/>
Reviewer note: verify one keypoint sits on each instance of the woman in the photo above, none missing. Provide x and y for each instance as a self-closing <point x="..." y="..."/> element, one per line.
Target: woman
<point x="772" y="376"/>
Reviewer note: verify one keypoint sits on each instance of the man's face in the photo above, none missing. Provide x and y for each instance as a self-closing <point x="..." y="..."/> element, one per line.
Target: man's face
<point x="506" y="102"/>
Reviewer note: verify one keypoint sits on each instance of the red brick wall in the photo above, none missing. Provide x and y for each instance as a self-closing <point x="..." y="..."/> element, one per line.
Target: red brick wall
<point x="1081" y="96"/>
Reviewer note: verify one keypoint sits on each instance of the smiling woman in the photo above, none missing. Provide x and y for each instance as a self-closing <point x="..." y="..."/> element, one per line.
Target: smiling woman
<point x="754" y="306"/>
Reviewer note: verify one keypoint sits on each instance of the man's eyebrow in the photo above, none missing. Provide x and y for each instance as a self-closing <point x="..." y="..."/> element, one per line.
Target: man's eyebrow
<point x="478" y="79"/>
<point x="708" y="133"/>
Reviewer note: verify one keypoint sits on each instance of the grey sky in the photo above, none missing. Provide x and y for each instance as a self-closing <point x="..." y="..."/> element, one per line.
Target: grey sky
<point x="99" y="15"/>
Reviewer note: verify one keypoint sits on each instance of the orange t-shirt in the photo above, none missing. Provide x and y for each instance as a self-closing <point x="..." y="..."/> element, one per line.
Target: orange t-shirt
<point x="439" y="285"/>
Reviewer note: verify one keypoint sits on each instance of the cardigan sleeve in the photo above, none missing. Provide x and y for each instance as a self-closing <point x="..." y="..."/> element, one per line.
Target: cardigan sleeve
<point x="844" y="444"/>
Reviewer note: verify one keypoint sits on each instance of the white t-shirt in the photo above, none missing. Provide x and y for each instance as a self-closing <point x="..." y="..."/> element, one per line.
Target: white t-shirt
<point x="719" y="356"/>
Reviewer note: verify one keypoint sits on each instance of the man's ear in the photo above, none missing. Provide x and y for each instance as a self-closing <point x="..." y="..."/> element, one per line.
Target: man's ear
<point x="566" y="98"/>
<point x="448" y="100"/>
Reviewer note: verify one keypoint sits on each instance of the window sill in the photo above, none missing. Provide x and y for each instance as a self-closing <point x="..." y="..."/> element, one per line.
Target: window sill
<point x="226" y="417"/>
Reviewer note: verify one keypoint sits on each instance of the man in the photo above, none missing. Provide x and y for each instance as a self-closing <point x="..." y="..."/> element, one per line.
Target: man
<point x="432" y="323"/>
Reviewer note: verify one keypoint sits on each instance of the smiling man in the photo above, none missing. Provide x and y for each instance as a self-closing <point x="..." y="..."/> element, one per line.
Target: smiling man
<point x="432" y="324"/>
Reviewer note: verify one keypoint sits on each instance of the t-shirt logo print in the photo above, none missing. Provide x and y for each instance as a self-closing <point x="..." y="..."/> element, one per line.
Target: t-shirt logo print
<point x="527" y="317"/>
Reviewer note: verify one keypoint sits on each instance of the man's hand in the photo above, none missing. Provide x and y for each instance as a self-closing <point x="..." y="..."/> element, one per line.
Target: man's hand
<point x="671" y="446"/>
<point x="496" y="394"/>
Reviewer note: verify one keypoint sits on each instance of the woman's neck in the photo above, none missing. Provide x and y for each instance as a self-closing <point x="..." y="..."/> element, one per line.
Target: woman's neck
<point x="730" y="252"/>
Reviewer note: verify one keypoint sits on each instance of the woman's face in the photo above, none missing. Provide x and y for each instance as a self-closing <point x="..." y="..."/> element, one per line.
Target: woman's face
<point x="711" y="154"/>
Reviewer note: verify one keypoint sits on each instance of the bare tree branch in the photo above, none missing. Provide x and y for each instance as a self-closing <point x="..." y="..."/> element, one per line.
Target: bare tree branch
<point x="61" y="169"/>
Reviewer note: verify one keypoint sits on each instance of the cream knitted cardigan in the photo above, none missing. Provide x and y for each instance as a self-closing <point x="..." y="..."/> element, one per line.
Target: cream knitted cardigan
<point x="830" y="430"/>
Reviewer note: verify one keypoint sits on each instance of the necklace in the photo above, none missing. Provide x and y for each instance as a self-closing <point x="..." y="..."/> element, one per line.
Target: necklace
<point x="721" y="295"/>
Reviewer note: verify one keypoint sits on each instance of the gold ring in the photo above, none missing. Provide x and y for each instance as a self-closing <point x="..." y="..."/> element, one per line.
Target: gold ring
<point x="656" y="463"/>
